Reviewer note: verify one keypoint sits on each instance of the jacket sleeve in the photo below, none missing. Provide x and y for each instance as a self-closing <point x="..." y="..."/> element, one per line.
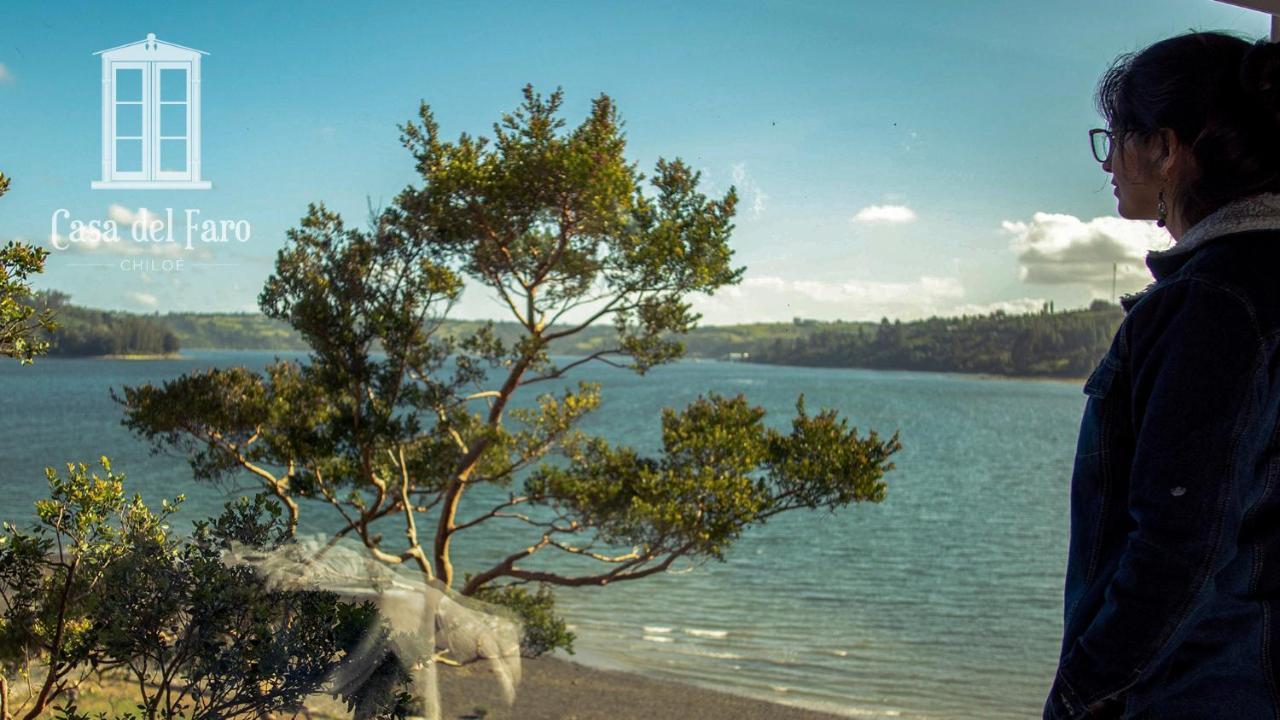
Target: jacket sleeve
<point x="1194" y="350"/>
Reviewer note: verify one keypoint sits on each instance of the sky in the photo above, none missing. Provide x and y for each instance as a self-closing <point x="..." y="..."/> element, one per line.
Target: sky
<point x="892" y="159"/>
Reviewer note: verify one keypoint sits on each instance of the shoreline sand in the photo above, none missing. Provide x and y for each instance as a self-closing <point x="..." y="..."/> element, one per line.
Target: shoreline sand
<point x="551" y="689"/>
<point x="556" y="689"/>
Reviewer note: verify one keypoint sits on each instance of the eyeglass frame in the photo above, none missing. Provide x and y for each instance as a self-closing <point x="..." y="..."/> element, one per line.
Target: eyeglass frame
<point x="1111" y="143"/>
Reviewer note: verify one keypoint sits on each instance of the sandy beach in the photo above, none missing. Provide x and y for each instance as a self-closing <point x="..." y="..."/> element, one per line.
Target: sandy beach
<point x="555" y="689"/>
<point x="552" y="689"/>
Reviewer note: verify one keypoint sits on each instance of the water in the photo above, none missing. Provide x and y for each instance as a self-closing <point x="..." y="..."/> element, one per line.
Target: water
<point x="943" y="601"/>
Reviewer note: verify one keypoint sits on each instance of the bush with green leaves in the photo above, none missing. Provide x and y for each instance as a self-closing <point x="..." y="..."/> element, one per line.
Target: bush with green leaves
<point x="415" y="439"/>
<point x="544" y="631"/>
<point x="101" y="584"/>
<point x="21" y="324"/>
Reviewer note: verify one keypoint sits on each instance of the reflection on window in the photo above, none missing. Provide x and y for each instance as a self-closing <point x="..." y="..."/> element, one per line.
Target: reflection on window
<point x="129" y="126"/>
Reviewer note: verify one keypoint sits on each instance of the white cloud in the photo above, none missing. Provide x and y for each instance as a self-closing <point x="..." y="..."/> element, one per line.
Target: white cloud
<point x="1056" y="249"/>
<point x="750" y="189"/>
<point x="776" y="299"/>
<point x="6" y="75"/>
<point x="143" y="298"/>
<point x="885" y="214"/>
<point x="127" y="218"/>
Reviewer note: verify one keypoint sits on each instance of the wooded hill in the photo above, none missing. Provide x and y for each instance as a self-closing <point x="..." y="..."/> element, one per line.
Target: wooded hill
<point x="1067" y="343"/>
<point x="87" y="332"/>
<point x="253" y="331"/>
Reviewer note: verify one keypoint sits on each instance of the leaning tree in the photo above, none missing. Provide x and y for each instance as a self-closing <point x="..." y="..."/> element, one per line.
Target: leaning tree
<point x="398" y="419"/>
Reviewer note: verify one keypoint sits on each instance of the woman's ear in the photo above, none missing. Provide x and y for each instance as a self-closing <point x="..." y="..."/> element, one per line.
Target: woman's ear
<point x="1167" y="153"/>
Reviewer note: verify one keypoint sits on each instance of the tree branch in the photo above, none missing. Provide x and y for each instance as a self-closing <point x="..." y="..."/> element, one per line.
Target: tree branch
<point x="608" y="308"/>
<point x="505" y="566"/>
<point x="560" y="371"/>
<point x="611" y="559"/>
<point x="618" y="574"/>
<point x="278" y="487"/>
<point x="55" y="652"/>
<point x="453" y="492"/>
<point x="492" y="513"/>
<point x="411" y="525"/>
<point x="623" y="571"/>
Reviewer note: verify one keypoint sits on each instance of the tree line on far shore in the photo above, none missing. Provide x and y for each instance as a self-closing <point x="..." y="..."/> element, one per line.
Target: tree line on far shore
<point x="87" y="332"/>
<point x="1064" y="344"/>
<point x="255" y="331"/>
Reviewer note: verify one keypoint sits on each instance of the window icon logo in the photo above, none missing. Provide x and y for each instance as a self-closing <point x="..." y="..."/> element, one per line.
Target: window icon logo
<point x="151" y="117"/>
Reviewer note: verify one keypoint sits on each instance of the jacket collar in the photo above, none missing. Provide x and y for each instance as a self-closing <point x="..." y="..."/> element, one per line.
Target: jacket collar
<point x="1258" y="212"/>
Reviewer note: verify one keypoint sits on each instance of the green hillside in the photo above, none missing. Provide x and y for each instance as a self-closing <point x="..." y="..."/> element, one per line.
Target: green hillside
<point x="88" y="332"/>
<point x="1065" y="343"/>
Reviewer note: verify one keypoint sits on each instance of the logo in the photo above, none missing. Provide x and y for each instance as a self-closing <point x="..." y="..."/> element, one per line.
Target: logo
<point x="151" y="117"/>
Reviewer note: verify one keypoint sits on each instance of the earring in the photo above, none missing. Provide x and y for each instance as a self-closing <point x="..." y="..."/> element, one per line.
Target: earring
<point x="1162" y="210"/>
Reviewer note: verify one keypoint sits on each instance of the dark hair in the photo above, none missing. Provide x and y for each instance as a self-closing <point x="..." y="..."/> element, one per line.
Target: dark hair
<point x="1221" y="97"/>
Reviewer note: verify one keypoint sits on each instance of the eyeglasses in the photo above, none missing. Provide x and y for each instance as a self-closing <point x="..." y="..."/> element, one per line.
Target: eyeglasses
<point x="1101" y="140"/>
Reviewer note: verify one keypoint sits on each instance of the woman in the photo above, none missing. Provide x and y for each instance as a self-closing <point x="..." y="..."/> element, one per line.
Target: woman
<point x="1172" y="603"/>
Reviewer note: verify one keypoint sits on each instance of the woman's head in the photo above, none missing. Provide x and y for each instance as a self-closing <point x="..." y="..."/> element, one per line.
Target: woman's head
<point x="1197" y="118"/>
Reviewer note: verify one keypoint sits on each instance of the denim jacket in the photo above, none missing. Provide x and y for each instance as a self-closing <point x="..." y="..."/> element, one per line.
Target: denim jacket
<point x="1172" y="598"/>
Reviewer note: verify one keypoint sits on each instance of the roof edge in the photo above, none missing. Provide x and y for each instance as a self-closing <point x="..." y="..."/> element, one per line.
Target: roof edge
<point x="162" y="42"/>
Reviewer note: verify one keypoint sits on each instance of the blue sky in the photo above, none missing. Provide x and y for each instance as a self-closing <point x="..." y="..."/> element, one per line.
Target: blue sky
<point x="894" y="158"/>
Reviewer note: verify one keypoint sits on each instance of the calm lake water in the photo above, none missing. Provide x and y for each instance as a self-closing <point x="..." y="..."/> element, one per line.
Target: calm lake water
<point x="943" y="601"/>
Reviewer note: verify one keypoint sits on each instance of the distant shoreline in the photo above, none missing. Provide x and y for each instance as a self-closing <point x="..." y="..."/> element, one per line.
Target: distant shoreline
<point x="1038" y="378"/>
<point x="978" y="375"/>
<point x="1073" y="379"/>
<point x="124" y="356"/>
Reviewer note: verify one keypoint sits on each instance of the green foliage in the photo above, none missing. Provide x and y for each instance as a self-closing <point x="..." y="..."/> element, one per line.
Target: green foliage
<point x="1058" y="344"/>
<point x="85" y="332"/>
<point x="551" y="222"/>
<point x="56" y="578"/>
<point x="254" y="331"/>
<point x="100" y="583"/>
<point x="395" y="415"/>
<point x="544" y="631"/>
<point x="722" y="470"/>
<point x="233" y="331"/>
<point x="20" y="323"/>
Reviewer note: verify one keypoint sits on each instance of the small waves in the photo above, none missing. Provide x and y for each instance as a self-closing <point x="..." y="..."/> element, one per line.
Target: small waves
<point x="718" y="655"/>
